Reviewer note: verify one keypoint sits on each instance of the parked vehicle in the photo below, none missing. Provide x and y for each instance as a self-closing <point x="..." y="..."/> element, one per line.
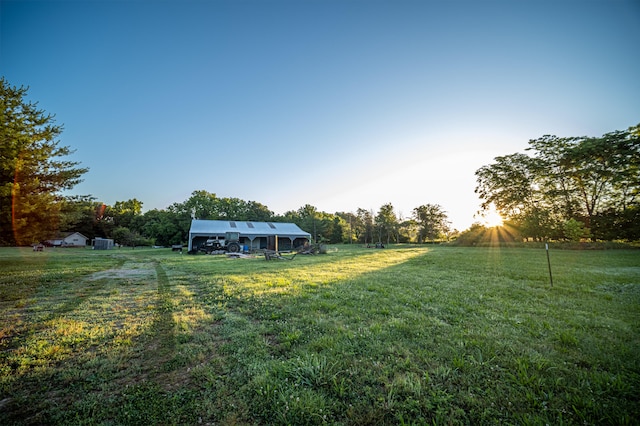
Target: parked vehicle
<point x="229" y="244"/>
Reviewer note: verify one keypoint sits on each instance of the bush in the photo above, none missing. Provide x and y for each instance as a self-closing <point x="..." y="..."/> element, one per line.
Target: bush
<point x="575" y="230"/>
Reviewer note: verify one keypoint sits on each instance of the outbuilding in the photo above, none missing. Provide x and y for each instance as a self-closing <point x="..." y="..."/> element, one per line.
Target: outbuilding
<point x="253" y="235"/>
<point x="70" y="239"/>
<point x="102" y="243"/>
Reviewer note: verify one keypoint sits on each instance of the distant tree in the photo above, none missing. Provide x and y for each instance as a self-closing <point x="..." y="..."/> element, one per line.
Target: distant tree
<point x="104" y="224"/>
<point x="339" y="230"/>
<point x="386" y="223"/>
<point x="257" y="211"/>
<point x="83" y="214"/>
<point x="323" y="227"/>
<point x="201" y="205"/>
<point x="408" y="231"/>
<point x="309" y="219"/>
<point x="124" y="213"/>
<point x="126" y="237"/>
<point x="33" y="169"/>
<point x="365" y="225"/>
<point x="350" y="224"/>
<point x="122" y="235"/>
<point x="206" y="205"/>
<point x="432" y="222"/>
<point x="163" y="227"/>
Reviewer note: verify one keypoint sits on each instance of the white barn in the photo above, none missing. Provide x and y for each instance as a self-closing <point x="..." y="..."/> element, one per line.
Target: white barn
<point x="253" y="235"/>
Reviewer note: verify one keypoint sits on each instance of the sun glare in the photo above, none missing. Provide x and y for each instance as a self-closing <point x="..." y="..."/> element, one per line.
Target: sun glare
<point x="492" y="218"/>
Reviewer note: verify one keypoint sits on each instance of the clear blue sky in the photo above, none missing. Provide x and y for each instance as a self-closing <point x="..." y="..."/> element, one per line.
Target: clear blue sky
<point x="337" y="104"/>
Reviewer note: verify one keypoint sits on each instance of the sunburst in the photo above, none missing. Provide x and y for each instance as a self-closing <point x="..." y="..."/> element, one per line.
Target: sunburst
<point x="491" y="218"/>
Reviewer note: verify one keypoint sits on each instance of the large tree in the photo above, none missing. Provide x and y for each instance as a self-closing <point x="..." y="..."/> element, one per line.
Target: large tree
<point x="509" y="184"/>
<point x="82" y="213"/>
<point x="34" y="169"/>
<point x="206" y="205"/>
<point x="349" y="224"/>
<point x="432" y="221"/>
<point x="364" y="225"/>
<point x="594" y="180"/>
<point x="309" y="219"/>
<point x="126" y="214"/>
<point x="163" y="227"/>
<point x="386" y="223"/>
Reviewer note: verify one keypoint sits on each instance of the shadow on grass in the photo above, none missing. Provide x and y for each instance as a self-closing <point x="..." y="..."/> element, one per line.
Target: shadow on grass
<point x="355" y="337"/>
<point x="76" y="347"/>
<point x="460" y="336"/>
<point x="161" y="349"/>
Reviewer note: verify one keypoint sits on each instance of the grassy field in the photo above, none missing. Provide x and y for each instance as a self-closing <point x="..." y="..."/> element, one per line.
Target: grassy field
<point x="404" y="335"/>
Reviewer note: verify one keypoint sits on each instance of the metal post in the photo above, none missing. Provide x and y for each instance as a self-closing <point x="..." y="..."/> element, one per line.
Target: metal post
<point x="546" y="245"/>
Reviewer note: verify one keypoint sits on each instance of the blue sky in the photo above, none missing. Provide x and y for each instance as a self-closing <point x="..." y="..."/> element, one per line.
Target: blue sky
<point x="338" y="104"/>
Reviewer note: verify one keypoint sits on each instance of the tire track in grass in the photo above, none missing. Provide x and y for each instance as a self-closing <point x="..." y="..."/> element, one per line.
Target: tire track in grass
<point x="164" y="325"/>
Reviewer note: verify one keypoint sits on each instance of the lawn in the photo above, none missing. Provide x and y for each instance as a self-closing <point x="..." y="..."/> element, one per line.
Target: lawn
<point x="402" y="335"/>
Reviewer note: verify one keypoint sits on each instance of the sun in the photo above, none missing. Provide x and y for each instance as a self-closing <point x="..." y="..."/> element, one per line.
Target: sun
<point x="492" y="218"/>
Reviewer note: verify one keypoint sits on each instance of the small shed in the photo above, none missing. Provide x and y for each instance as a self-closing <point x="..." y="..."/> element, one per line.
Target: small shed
<point x="102" y="243"/>
<point x="253" y="235"/>
<point x="70" y="239"/>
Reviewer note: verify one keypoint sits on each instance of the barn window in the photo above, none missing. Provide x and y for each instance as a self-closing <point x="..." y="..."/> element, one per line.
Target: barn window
<point x="233" y="224"/>
<point x="271" y="225"/>
<point x="250" y="225"/>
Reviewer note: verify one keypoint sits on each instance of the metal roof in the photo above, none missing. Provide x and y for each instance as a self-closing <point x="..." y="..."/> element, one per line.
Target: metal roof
<point x="200" y="227"/>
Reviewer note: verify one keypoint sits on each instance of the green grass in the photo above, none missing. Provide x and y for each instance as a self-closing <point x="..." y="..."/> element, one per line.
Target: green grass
<point x="404" y="335"/>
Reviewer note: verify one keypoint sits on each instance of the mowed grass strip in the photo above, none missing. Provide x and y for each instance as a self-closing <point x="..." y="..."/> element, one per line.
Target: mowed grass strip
<point x="403" y="335"/>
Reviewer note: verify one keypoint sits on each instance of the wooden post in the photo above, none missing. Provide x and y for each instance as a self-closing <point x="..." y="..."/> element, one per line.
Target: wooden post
<point x="276" y="243"/>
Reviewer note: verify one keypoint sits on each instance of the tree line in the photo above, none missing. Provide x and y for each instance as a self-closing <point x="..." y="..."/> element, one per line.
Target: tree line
<point x="568" y="188"/>
<point x="561" y="188"/>
<point x="128" y="225"/>
<point x="35" y="170"/>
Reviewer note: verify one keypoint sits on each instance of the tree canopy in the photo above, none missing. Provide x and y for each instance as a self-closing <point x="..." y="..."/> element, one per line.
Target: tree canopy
<point x="591" y="180"/>
<point x="34" y="169"/>
<point x="432" y="222"/>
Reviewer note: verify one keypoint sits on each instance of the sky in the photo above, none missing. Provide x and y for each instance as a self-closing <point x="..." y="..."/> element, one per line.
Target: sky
<point x="337" y="104"/>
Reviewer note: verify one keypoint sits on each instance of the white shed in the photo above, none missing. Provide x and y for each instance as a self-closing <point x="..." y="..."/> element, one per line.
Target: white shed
<point x="253" y="235"/>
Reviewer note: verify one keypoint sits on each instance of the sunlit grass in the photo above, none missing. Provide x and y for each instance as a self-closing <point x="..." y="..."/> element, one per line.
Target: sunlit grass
<point x="407" y="335"/>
